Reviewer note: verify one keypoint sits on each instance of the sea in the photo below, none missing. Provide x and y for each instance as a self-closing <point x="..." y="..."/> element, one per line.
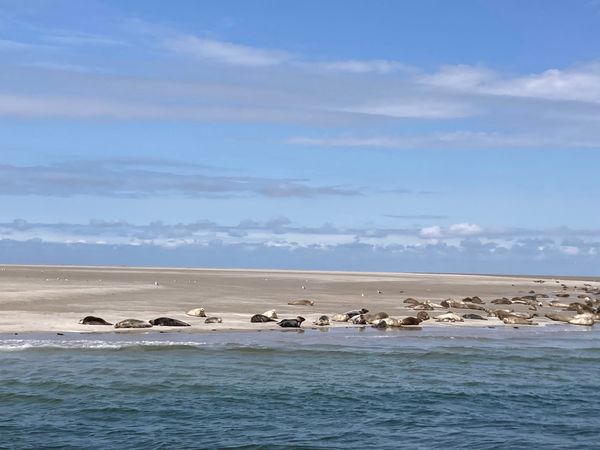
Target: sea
<point x="355" y="388"/>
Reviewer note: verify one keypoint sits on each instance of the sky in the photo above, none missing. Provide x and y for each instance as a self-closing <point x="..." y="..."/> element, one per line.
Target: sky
<point x="414" y="136"/>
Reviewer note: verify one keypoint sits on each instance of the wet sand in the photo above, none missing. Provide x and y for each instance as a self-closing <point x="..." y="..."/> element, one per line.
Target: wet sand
<point x="54" y="299"/>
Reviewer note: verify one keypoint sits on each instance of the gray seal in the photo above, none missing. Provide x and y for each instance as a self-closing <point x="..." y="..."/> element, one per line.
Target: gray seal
<point x="322" y="321"/>
<point x="213" y="320"/>
<point x="91" y="320"/>
<point x="132" y="323"/>
<point x="261" y="318"/>
<point x="356" y="312"/>
<point x="473" y="317"/>
<point x="168" y="322"/>
<point x="291" y="323"/>
<point x="302" y="302"/>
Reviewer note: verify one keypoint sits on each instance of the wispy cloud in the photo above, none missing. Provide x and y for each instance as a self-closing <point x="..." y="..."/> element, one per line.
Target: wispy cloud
<point x="114" y="178"/>
<point x="226" y="52"/>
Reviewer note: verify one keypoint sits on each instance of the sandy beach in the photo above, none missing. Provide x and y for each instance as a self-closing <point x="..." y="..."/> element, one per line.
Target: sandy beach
<point x="55" y="298"/>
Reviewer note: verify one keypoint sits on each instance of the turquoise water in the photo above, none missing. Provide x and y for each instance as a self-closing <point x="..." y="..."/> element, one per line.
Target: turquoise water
<point x="452" y="388"/>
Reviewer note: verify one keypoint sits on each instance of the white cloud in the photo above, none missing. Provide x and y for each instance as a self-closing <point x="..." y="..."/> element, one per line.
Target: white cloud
<point x="465" y="229"/>
<point x="358" y="66"/>
<point x="432" y="232"/>
<point x="581" y="84"/>
<point x="426" y="108"/>
<point x="227" y="52"/>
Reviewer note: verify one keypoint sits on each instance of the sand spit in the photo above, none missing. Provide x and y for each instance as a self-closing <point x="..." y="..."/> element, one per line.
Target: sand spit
<point x="55" y="299"/>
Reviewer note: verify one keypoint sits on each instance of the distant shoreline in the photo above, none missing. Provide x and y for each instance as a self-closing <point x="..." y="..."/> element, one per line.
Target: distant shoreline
<point x="350" y="272"/>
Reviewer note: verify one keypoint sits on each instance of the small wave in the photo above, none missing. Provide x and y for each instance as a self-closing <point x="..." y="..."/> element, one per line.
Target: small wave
<point x="28" y="344"/>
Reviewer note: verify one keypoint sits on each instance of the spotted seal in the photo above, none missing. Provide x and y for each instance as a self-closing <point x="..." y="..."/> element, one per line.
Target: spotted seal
<point x="515" y="320"/>
<point x="582" y="319"/>
<point x="340" y="318"/>
<point x="168" y="322"/>
<point x="356" y="312"/>
<point x="196" y="312"/>
<point x="322" y="321"/>
<point x="291" y="323"/>
<point x="91" y="320"/>
<point x="213" y="320"/>
<point x="132" y="323"/>
<point x="271" y="314"/>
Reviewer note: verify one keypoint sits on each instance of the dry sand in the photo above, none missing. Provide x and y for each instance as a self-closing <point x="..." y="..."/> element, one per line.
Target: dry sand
<point x="54" y="299"/>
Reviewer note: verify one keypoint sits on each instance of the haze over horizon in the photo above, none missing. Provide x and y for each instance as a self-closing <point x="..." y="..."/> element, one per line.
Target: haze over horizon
<point x="417" y="136"/>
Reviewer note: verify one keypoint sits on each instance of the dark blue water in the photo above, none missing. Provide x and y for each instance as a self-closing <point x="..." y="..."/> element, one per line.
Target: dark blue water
<point x="482" y="388"/>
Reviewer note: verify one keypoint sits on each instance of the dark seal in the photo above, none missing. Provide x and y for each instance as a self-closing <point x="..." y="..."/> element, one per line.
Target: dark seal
<point x="168" y="322"/>
<point x="91" y="320"/>
<point x="292" y="323"/>
<point x="260" y="318"/>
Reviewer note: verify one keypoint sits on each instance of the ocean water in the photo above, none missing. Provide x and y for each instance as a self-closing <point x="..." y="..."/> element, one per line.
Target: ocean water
<point x="350" y="388"/>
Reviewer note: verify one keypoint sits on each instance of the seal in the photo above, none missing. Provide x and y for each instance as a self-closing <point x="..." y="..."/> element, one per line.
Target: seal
<point x="260" y="318"/>
<point x="302" y="302"/>
<point x="168" y="322"/>
<point x="91" y="320"/>
<point x="291" y="323"/>
<point x="359" y="320"/>
<point x="422" y="316"/>
<point x="515" y="320"/>
<point x="411" y="321"/>
<point x="196" y="312"/>
<point x="473" y="317"/>
<point x="582" y="319"/>
<point x="340" y="317"/>
<point x="322" y="321"/>
<point x="356" y="312"/>
<point x="213" y="320"/>
<point x="132" y="323"/>
<point x="449" y="317"/>
<point x="502" y="301"/>
<point x="271" y="314"/>
<point x="558" y="317"/>
<point x="370" y="317"/>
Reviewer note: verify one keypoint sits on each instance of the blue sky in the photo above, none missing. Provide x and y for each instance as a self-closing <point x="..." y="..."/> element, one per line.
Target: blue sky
<point x="397" y="136"/>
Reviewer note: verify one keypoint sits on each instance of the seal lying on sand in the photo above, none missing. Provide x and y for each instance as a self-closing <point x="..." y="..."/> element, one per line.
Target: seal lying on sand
<point x="356" y="312"/>
<point x="359" y="320"/>
<point x="515" y="320"/>
<point x="410" y="321"/>
<point x="582" y="319"/>
<point x="322" y="321"/>
<point x="168" y="322"/>
<point x="473" y="317"/>
<point x="213" y="320"/>
<point x="340" y="317"/>
<point x="302" y="302"/>
<point x="91" y="320"/>
<point x="271" y="314"/>
<point x="260" y="318"/>
<point x="132" y="323"/>
<point x="197" y="312"/>
<point x="449" y="317"/>
<point x="558" y="317"/>
<point x="370" y="317"/>
<point x="291" y="323"/>
<point x="422" y="315"/>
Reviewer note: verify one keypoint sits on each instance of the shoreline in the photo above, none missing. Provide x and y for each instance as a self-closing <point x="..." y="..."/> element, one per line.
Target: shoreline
<point x="54" y="298"/>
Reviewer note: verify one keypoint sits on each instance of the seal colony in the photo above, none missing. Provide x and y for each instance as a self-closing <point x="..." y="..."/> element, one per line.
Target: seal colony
<point x="72" y="299"/>
<point x="585" y="312"/>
